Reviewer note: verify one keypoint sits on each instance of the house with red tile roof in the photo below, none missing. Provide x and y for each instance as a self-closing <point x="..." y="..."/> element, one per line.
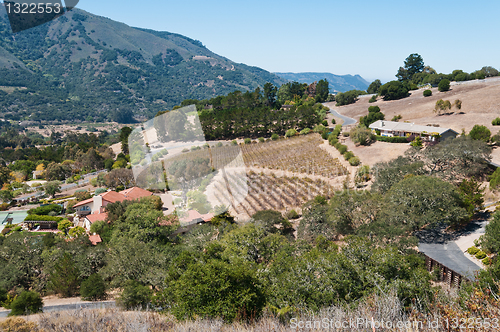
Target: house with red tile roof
<point x="92" y="218"/>
<point x="95" y="204"/>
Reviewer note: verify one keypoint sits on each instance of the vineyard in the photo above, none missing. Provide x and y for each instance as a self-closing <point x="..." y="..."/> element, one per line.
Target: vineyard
<point x="267" y="191"/>
<point x="300" y="154"/>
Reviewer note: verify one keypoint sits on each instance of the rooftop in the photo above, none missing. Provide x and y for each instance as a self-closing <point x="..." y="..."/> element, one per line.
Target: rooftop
<point x="407" y="127"/>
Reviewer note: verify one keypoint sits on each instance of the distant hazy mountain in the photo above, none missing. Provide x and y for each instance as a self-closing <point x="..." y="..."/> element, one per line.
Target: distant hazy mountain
<point x="86" y="67"/>
<point x="337" y="83"/>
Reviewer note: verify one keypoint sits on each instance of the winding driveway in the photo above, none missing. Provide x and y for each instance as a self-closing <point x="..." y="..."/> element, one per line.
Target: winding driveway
<point x="347" y="121"/>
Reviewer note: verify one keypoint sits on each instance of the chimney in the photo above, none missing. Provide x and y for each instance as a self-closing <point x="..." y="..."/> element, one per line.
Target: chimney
<point x="382" y="123"/>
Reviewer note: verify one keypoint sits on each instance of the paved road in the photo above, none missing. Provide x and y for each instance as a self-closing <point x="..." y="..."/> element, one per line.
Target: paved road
<point x="347" y="121"/>
<point x="74" y="306"/>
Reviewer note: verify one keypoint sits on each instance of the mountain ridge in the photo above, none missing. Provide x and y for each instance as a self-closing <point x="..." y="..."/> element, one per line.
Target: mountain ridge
<point x="338" y="83"/>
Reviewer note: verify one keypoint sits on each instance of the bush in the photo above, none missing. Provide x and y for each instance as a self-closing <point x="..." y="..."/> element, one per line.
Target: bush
<point x="261" y="139"/>
<point x="496" y="122"/>
<point x="427" y="93"/>
<point x="486" y="261"/>
<point x="354" y="161"/>
<point x="348" y="155"/>
<point x="480" y="133"/>
<point x="99" y="191"/>
<point x="292" y="214"/>
<point x="480" y="254"/>
<point x="373" y="99"/>
<point x="134" y="296"/>
<point x="333" y="121"/>
<point x="290" y="133"/>
<point x="274" y="137"/>
<point x="324" y="123"/>
<point x="394" y="139"/>
<point x="342" y="149"/>
<point x="247" y="141"/>
<point x="362" y="136"/>
<point x="26" y="303"/>
<point x="305" y="131"/>
<point x="444" y="85"/>
<point x="234" y="142"/>
<point x="473" y="251"/>
<point x="93" y="288"/>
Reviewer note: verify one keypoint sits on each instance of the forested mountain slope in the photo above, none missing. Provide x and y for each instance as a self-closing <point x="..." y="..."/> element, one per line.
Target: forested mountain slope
<point x="82" y="66"/>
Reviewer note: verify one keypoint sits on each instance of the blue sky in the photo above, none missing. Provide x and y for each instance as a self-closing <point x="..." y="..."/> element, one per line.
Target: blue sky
<point x="369" y="38"/>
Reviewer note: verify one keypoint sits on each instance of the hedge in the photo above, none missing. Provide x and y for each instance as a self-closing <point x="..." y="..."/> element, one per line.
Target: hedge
<point x="35" y="217"/>
<point x="45" y="210"/>
<point x="394" y="139"/>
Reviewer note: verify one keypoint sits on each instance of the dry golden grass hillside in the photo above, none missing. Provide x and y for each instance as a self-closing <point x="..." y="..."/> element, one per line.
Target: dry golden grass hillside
<point x="480" y="105"/>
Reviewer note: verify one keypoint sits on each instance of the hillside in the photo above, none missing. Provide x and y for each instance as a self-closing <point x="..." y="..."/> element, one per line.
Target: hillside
<point x="337" y="83"/>
<point x="480" y="105"/>
<point x="82" y="66"/>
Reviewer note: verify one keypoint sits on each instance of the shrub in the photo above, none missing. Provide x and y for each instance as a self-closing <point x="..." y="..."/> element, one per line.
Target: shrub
<point x="373" y="99"/>
<point x="135" y="295"/>
<point x="305" y="131"/>
<point x="362" y="135"/>
<point x="444" y="85"/>
<point x="99" y="191"/>
<point x="342" y="149"/>
<point x="292" y="214"/>
<point x="496" y="122"/>
<point x="348" y="155"/>
<point x="290" y="133"/>
<point x="17" y="229"/>
<point x="93" y="288"/>
<point x="480" y="133"/>
<point x="427" y="93"/>
<point x="332" y="139"/>
<point x="234" y="142"/>
<point x="394" y="139"/>
<point x="333" y="121"/>
<point x="324" y="123"/>
<point x="486" y="261"/>
<point x="26" y="303"/>
<point x="354" y="161"/>
<point x="473" y="251"/>
<point x="396" y="118"/>
<point x="247" y="141"/>
<point x="319" y="128"/>
<point x="480" y="254"/>
<point x="261" y="139"/>
<point x="274" y="137"/>
<point x="3" y="295"/>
